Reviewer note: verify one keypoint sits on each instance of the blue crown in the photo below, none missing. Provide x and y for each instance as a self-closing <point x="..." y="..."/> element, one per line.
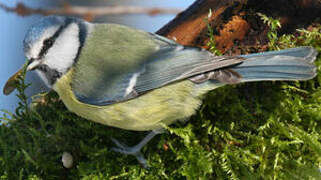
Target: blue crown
<point x="36" y="30"/>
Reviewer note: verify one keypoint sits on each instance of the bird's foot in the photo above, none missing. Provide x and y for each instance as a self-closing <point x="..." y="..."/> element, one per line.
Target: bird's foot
<point x="136" y="150"/>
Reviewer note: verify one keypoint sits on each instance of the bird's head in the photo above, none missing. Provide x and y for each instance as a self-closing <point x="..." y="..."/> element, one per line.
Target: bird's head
<point x="52" y="46"/>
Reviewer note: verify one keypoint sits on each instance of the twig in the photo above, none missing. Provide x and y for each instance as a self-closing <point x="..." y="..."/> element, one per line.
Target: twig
<point x="67" y="9"/>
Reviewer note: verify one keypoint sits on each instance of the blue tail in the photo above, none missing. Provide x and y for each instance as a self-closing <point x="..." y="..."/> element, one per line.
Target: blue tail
<point x="288" y="64"/>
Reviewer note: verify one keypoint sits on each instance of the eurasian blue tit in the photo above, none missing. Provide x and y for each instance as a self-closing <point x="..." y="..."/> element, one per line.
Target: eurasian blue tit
<point x="130" y="79"/>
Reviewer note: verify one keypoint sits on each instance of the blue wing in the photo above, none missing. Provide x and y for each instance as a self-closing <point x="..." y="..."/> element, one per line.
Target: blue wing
<point x="116" y="82"/>
<point x="152" y="61"/>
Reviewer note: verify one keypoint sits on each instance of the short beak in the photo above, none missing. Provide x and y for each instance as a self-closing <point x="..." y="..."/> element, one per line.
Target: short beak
<point x="32" y="64"/>
<point x="10" y="85"/>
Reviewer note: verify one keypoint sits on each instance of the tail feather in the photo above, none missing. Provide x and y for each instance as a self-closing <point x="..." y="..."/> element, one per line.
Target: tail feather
<point x="289" y="64"/>
<point x="285" y="65"/>
<point x="307" y="53"/>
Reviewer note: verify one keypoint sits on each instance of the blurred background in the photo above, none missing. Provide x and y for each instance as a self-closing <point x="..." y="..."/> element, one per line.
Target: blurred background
<point x="14" y="27"/>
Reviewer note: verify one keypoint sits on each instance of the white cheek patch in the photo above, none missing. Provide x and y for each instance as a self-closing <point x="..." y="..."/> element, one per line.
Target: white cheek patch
<point x="37" y="46"/>
<point x="64" y="50"/>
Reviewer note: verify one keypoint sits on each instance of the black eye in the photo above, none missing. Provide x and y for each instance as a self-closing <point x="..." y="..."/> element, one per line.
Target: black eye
<point x="48" y="42"/>
<point x="46" y="45"/>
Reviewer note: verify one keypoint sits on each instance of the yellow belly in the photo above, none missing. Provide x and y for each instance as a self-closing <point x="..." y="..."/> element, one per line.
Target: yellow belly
<point x="146" y="112"/>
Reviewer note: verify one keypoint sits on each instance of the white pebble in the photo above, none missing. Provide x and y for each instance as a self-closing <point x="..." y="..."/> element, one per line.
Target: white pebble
<point x="67" y="160"/>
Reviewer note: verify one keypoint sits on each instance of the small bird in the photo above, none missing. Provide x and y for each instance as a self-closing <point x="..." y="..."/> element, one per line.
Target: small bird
<point x="135" y="80"/>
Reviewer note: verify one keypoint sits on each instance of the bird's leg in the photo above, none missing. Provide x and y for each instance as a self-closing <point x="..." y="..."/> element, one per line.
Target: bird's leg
<point x="135" y="150"/>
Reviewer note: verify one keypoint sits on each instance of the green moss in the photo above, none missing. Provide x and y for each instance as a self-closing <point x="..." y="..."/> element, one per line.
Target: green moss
<point x="240" y="132"/>
<point x="211" y="43"/>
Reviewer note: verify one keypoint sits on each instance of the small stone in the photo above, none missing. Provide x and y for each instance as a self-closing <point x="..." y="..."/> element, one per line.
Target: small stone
<point x="67" y="160"/>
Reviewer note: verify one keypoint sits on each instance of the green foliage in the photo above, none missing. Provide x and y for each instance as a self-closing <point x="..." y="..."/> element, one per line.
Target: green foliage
<point x="211" y="43"/>
<point x="240" y="132"/>
<point x="274" y="25"/>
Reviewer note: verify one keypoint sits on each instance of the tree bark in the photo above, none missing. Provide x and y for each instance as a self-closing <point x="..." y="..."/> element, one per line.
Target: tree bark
<point x="237" y="27"/>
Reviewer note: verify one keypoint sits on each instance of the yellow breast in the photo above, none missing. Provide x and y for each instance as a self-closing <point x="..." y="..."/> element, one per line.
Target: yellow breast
<point x="146" y="112"/>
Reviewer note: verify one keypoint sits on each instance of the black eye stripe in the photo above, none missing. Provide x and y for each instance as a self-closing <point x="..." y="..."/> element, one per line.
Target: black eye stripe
<point x="47" y="43"/>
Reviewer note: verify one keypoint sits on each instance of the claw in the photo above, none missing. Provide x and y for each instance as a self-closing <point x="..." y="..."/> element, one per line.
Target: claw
<point x="135" y="150"/>
<point x="120" y="145"/>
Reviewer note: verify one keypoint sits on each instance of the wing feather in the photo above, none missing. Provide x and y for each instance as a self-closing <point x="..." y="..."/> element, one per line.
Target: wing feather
<point x="137" y="62"/>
